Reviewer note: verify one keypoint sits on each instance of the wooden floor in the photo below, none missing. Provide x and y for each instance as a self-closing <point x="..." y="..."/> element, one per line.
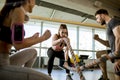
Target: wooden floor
<point x="58" y="74"/>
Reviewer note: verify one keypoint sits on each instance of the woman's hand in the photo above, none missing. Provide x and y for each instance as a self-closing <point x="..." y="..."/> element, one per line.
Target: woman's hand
<point x="61" y="40"/>
<point x="36" y="35"/>
<point x="66" y="40"/>
<point x="46" y="35"/>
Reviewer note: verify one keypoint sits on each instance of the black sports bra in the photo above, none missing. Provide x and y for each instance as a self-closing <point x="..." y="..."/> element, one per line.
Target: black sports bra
<point x="5" y="34"/>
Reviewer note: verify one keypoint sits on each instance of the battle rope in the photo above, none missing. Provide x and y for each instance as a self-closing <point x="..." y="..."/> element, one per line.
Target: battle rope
<point x="75" y="62"/>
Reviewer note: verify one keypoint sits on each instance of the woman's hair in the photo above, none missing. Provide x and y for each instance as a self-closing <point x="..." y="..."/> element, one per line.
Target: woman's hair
<point x="8" y="6"/>
<point x="62" y="26"/>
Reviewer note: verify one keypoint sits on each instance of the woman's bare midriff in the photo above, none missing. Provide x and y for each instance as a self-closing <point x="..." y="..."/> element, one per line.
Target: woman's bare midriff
<point x="55" y="49"/>
<point x="5" y="47"/>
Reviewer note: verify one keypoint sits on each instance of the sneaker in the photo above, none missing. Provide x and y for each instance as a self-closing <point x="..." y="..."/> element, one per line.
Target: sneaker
<point x="101" y="78"/>
<point x="49" y="75"/>
<point x="68" y="77"/>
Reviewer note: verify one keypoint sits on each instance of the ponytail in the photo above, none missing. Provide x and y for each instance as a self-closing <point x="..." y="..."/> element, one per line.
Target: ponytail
<point x="10" y="5"/>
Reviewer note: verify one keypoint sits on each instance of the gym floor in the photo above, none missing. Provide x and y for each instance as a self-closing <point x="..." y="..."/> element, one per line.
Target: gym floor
<point x="59" y="74"/>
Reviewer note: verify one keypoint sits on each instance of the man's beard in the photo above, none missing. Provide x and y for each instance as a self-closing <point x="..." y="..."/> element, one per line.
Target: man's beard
<point x="103" y="22"/>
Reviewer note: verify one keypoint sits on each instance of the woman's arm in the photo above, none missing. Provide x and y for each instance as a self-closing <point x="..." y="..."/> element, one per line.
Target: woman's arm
<point x="27" y="42"/>
<point x="56" y="41"/>
<point x="18" y="17"/>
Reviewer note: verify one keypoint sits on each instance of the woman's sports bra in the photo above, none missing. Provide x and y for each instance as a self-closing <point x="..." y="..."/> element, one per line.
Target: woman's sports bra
<point x="5" y="34"/>
<point x="59" y="47"/>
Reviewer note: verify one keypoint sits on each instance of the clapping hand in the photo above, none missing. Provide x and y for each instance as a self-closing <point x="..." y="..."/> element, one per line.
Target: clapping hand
<point x="46" y="35"/>
<point x="36" y="35"/>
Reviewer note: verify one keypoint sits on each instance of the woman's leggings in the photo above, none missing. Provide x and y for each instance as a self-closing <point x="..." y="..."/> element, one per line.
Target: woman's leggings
<point x="24" y="57"/>
<point x="11" y="66"/>
<point x="59" y="54"/>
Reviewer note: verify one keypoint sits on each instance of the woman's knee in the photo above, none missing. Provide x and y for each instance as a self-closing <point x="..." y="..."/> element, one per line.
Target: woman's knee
<point x="32" y="52"/>
<point x="50" y="53"/>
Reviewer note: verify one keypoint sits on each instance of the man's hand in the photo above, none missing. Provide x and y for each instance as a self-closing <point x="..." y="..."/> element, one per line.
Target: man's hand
<point x="117" y="66"/>
<point x="96" y="37"/>
<point x="68" y="67"/>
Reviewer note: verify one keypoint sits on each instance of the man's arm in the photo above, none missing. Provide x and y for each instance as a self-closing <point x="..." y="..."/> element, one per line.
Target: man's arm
<point x="116" y="32"/>
<point x="104" y="42"/>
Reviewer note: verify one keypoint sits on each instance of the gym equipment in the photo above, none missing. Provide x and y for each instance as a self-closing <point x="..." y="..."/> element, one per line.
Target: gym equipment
<point x="75" y="62"/>
<point x="77" y="59"/>
<point x="79" y="68"/>
<point x="82" y="57"/>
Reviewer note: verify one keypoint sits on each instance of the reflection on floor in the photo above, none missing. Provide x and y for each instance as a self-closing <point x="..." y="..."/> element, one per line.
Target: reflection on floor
<point x="58" y="74"/>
